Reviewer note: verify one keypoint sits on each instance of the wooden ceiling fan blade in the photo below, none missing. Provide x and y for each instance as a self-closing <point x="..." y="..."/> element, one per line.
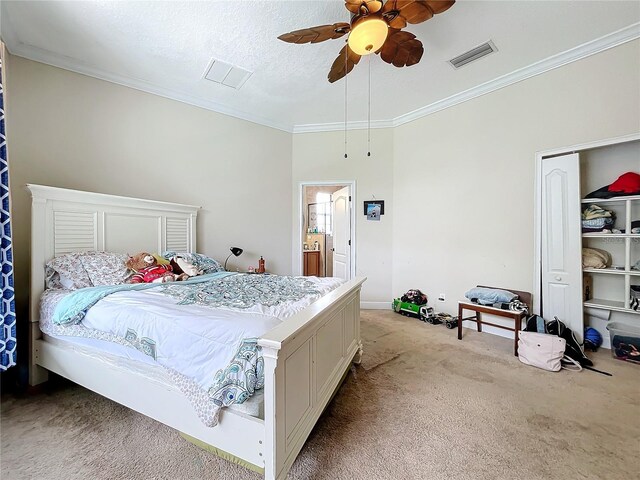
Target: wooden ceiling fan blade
<point x="402" y="49"/>
<point x="439" y="6"/>
<point x="347" y="59"/>
<point x="397" y="22"/>
<point x="413" y="11"/>
<point x="416" y="50"/>
<point x="355" y="6"/>
<point x="316" y="34"/>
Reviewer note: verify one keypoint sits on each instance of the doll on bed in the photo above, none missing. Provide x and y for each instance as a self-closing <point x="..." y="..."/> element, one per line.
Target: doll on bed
<point x="148" y="270"/>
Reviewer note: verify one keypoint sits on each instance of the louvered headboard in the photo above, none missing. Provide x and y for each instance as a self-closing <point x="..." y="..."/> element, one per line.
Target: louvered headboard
<point x="64" y="221"/>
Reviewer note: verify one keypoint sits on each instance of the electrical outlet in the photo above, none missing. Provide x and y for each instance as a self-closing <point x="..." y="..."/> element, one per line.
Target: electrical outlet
<point x="441" y="297"/>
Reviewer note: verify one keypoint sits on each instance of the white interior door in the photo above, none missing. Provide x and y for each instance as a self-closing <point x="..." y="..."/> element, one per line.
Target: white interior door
<point x="561" y="241"/>
<point x="341" y="215"/>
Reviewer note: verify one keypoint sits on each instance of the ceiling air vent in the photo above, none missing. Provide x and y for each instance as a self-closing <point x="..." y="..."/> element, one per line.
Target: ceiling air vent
<point x="226" y="74"/>
<point x="473" y="54"/>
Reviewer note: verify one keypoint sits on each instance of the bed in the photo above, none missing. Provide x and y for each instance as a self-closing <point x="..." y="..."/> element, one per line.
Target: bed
<point x="305" y="356"/>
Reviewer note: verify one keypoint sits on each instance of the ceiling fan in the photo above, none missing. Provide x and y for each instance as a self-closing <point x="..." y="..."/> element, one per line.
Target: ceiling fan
<point x="376" y="27"/>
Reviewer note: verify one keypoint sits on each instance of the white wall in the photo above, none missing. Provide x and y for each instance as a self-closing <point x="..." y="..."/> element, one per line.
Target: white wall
<point x="459" y="183"/>
<point x="473" y="172"/>
<point x="320" y="157"/>
<point x="74" y="131"/>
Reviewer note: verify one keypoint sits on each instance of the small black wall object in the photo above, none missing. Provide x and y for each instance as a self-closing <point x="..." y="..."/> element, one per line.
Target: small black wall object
<point x="374" y="202"/>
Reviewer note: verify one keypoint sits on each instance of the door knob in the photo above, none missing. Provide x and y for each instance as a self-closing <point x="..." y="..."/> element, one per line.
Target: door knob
<point x="558" y="278"/>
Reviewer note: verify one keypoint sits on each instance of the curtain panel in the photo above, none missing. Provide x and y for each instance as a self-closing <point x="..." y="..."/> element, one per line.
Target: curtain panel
<point x="8" y="313"/>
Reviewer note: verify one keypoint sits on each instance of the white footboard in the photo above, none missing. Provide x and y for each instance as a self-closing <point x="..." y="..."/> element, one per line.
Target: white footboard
<point x="305" y="359"/>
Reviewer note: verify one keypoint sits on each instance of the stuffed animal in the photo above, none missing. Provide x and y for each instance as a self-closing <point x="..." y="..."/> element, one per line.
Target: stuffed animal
<point x="147" y="270"/>
<point x="182" y="265"/>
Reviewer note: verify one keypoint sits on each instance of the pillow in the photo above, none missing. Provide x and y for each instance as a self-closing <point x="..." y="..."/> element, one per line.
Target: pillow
<point x="53" y="279"/>
<point x="106" y="268"/>
<point x="489" y="296"/>
<point x="71" y="274"/>
<point x="200" y="261"/>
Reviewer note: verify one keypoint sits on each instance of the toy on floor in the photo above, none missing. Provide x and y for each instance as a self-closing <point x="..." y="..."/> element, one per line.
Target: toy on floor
<point x="438" y="318"/>
<point x="409" y="304"/>
<point x="406" y="308"/>
<point x="427" y="314"/>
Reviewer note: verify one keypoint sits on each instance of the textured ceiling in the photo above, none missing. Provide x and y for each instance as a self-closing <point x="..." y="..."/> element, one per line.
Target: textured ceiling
<point x="166" y="46"/>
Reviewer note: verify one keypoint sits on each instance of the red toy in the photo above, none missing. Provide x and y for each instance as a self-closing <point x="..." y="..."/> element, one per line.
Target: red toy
<point x="147" y="270"/>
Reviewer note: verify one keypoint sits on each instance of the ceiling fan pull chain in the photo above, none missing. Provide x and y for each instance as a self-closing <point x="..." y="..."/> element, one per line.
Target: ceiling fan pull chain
<point x="346" y="63"/>
<point x="369" y="114"/>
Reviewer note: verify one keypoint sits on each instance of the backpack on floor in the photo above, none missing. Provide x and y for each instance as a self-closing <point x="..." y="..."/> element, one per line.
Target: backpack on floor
<point x="535" y="323"/>
<point x="573" y="349"/>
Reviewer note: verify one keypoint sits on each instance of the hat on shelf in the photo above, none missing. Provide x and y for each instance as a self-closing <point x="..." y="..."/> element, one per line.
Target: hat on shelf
<point x="626" y="183"/>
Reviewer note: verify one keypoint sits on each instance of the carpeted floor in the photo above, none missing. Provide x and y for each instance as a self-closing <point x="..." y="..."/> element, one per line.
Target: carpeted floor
<point x="421" y="406"/>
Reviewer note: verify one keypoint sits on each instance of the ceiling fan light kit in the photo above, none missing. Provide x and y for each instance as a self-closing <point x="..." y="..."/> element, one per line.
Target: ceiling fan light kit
<point x="368" y="34"/>
<point x="375" y="27"/>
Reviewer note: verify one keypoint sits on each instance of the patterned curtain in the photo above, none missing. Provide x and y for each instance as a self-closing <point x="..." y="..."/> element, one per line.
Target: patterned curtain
<point x="8" y="312"/>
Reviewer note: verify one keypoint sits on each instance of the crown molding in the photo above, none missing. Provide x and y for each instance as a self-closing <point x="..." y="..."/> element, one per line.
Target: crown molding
<point x="60" y="61"/>
<point x="587" y="49"/>
<point x="627" y="34"/>
<point x="339" y="126"/>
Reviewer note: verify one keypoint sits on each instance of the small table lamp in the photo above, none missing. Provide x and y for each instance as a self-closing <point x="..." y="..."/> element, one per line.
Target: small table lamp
<point x="237" y="251"/>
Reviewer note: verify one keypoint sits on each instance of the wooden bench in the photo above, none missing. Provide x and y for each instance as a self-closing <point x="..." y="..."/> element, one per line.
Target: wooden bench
<point x="517" y="317"/>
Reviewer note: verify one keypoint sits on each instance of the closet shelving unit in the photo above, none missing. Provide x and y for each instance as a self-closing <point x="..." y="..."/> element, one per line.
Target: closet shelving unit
<point x="628" y="206"/>
<point x="564" y="177"/>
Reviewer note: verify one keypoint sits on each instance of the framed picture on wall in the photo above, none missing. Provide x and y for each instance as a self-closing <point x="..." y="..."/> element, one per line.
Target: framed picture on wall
<point x="369" y="205"/>
<point x="373" y="212"/>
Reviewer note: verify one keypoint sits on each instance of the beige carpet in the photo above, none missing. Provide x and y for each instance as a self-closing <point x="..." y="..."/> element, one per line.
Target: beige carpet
<point x="422" y="406"/>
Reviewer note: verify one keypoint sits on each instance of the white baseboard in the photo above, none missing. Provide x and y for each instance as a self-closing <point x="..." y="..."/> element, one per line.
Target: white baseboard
<point x="489" y="329"/>
<point x="375" y="305"/>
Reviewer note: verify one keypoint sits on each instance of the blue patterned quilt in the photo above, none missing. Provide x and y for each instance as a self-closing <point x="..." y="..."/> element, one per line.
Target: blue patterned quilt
<point x="204" y="331"/>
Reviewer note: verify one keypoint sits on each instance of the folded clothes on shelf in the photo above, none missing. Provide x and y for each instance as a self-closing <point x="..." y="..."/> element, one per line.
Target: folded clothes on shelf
<point x="596" y="219"/>
<point x="595" y="258"/>
<point x="635" y="229"/>
<point x="597" y="224"/>
<point x="593" y="212"/>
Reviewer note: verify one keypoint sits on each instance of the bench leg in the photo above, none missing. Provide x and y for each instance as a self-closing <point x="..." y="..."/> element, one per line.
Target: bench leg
<point x="479" y="321"/>
<point x="518" y="326"/>
<point x="460" y="322"/>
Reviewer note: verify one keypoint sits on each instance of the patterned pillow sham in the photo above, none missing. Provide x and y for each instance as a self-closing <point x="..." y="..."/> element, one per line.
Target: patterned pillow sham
<point x="54" y="280"/>
<point x="106" y="268"/>
<point x="71" y="274"/>
<point x="200" y="261"/>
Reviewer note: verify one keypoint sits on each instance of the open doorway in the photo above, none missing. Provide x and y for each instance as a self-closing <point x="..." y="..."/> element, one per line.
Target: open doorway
<point x="327" y="244"/>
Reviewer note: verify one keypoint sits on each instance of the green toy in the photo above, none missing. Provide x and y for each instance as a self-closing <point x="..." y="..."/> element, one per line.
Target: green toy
<point x="406" y="308"/>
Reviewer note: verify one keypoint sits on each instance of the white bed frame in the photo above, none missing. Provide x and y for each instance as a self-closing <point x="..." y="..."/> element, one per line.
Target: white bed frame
<point x="306" y="356"/>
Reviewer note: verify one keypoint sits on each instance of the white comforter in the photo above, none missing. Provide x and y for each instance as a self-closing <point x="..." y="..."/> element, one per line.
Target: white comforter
<point x="194" y="341"/>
